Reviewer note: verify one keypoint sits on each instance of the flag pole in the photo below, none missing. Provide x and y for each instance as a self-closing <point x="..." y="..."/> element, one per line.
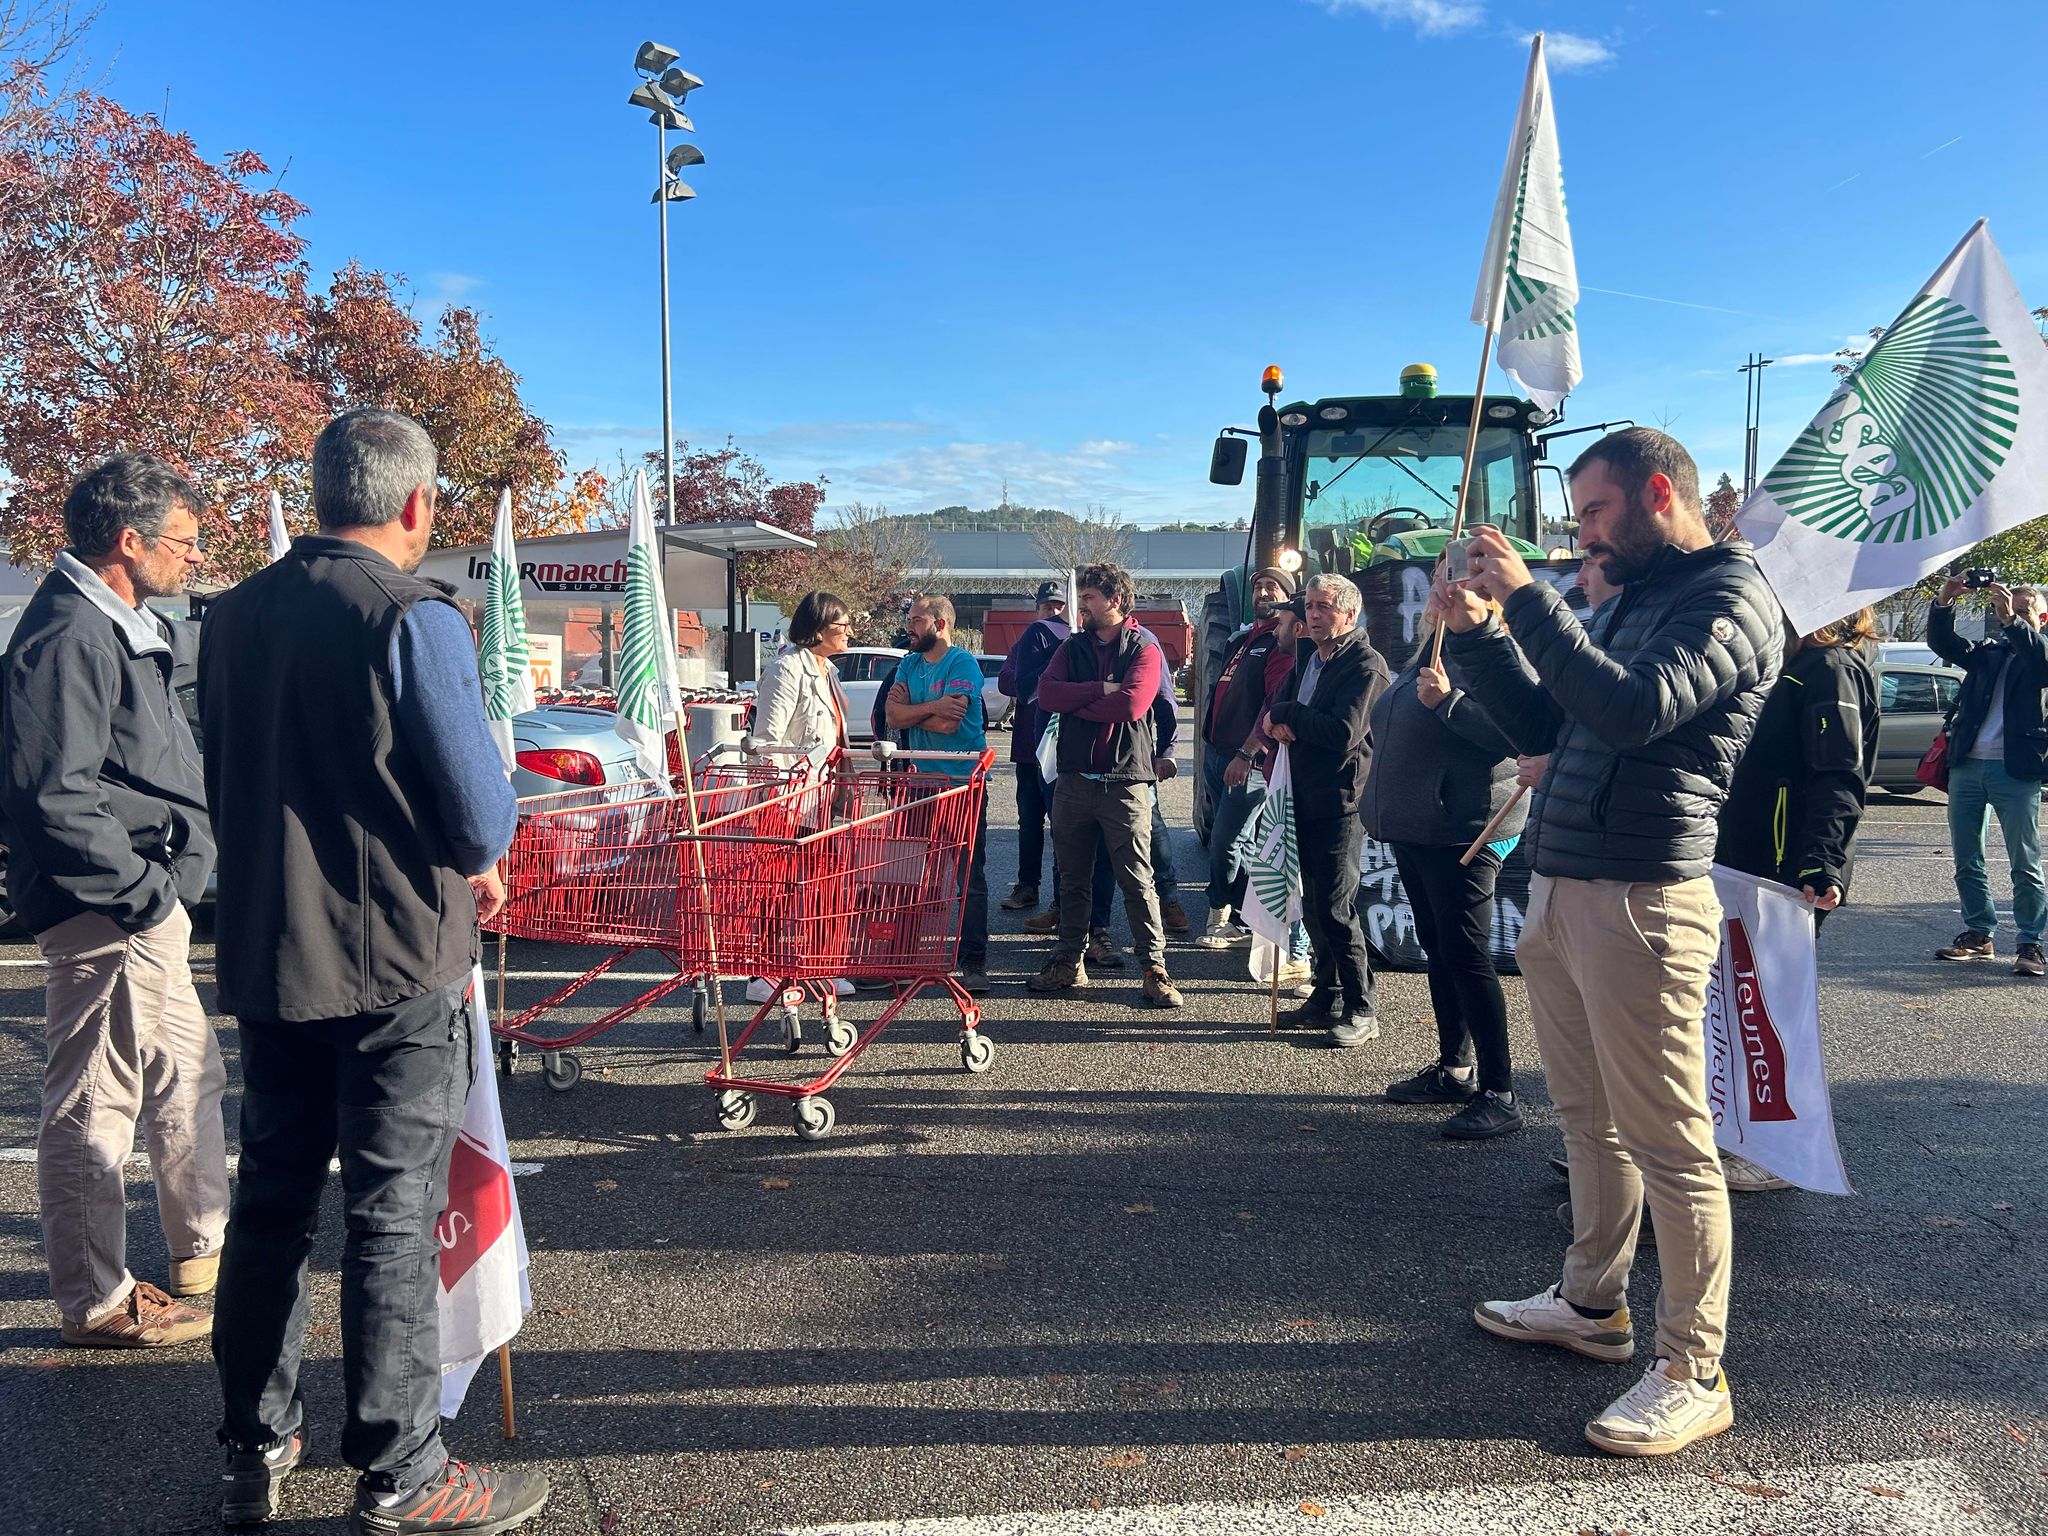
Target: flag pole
<point x="1436" y="649"/>
<point x="505" y="1391"/>
<point x="1486" y="832"/>
<point x="1273" y="1019"/>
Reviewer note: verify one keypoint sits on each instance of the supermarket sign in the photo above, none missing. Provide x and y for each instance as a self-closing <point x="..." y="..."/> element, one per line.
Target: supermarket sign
<point x="561" y="577"/>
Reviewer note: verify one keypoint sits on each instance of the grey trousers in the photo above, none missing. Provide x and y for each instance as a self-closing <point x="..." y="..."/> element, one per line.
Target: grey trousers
<point x="1121" y="814"/>
<point x="127" y="1041"/>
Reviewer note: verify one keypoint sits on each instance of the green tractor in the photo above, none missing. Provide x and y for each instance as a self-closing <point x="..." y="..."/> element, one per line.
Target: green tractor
<point x="1366" y="486"/>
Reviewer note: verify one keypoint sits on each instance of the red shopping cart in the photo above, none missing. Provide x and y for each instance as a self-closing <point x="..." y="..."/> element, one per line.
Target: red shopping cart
<point x="608" y="866"/>
<point x="876" y="893"/>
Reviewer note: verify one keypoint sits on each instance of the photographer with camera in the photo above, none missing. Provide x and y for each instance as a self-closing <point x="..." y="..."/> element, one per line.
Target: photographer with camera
<point x="1998" y="757"/>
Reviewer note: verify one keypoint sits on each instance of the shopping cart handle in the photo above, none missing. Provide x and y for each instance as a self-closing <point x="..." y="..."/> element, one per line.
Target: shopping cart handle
<point x="896" y="751"/>
<point x="754" y="746"/>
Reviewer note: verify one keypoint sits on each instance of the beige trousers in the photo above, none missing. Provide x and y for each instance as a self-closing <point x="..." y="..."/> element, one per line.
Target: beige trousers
<point x="1617" y="976"/>
<point x="127" y="1040"/>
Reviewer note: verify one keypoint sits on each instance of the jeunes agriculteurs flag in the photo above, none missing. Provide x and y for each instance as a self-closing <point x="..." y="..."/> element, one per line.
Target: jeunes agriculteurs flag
<point x="648" y="693"/>
<point x="501" y="649"/>
<point x="1272" y="887"/>
<point x="1529" y="282"/>
<point x="1939" y="439"/>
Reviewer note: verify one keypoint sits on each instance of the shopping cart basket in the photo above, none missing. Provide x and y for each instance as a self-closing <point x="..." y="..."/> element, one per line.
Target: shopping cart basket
<point x="877" y="895"/>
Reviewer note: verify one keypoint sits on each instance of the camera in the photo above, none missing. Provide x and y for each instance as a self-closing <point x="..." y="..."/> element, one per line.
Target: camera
<point x="1977" y="578"/>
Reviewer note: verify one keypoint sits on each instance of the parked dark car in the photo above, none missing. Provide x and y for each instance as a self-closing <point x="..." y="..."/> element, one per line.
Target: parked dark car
<point x="1912" y="702"/>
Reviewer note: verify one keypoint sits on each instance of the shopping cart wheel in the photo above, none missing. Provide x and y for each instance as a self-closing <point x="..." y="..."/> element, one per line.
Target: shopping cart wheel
<point x="839" y="1037"/>
<point x="792" y="1031"/>
<point x="697" y="1005"/>
<point x="562" y="1070"/>
<point x="977" y="1051"/>
<point x="814" y="1119"/>
<point x="508" y="1056"/>
<point x="735" y="1109"/>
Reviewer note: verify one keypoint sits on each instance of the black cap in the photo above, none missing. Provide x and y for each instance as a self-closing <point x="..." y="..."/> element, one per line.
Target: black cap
<point x="1052" y="592"/>
<point x="1296" y="605"/>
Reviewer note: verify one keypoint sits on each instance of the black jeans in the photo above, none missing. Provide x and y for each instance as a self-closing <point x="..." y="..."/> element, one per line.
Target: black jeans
<point x="1329" y="908"/>
<point x="1034" y="803"/>
<point x="1453" y="906"/>
<point x="387" y="1089"/>
<point x="974" y="909"/>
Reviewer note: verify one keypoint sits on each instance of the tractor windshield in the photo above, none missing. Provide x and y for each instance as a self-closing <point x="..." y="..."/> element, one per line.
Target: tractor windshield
<point x="1360" y="488"/>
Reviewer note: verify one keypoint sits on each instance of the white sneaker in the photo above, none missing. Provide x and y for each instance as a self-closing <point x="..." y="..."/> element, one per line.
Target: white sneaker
<point x="1223" y="931"/>
<point x="1661" y="1414"/>
<point x="1548" y="1318"/>
<point x="1745" y="1178"/>
<point x="1293" y="973"/>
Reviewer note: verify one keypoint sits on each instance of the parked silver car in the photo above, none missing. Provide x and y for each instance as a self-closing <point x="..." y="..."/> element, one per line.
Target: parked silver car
<point x="861" y="670"/>
<point x="1912" y="702"/>
<point x="996" y="706"/>
<point x="568" y="746"/>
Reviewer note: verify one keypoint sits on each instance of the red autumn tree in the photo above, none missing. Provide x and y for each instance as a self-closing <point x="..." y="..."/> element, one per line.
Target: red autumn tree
<point x="159" y="307"/>
<point x="721" y="485"/>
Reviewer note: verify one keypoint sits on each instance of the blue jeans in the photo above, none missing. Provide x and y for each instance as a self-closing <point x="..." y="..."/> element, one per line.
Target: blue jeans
<point x="386" y="1090"/>
<point x="1976" y="788"/>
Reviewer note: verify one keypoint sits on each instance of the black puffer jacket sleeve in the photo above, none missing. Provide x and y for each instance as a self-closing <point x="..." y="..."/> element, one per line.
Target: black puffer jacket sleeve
<point x="1700" y="655"/>
<point x="1497" y="675"/>
<point x="1838" y="734"/>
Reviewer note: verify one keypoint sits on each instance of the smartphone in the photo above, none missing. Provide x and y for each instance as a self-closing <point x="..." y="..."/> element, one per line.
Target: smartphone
<point x="1977" y="578"/>
<point x="1457" y="560"/>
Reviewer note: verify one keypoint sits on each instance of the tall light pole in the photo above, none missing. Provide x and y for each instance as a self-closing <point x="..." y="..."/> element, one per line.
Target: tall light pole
<point x="660" y="93"/>
<point x="1752" y="371"/>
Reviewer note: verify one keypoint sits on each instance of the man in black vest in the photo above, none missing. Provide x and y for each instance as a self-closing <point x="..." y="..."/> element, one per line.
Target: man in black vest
<point x="1323" y="714"/>
<point x="1102" y="682"/>
<point x="361" y="813"/>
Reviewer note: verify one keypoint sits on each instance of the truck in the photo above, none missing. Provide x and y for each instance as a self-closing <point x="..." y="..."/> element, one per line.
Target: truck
<point x="1166" y="617"/>
<point x="1366" y="486"/>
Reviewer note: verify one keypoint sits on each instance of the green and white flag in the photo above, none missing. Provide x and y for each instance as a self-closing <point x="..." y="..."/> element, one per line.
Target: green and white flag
<point x="1272" y="891"/>
<point x="501" y="650"/>
<point x="280" y="541"/>
<point x="1937" y="441"/>
<point x="648" y="693"/>
<point x="1529" y="283"/>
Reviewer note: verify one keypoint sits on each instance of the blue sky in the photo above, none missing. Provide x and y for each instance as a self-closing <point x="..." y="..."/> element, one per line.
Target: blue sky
<point x="938" y="247"/>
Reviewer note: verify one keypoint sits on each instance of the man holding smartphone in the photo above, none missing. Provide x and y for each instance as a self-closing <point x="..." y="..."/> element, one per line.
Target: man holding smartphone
<point x="1998" y="757"/>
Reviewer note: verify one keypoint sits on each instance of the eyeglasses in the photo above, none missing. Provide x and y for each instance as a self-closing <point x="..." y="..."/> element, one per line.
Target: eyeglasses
<point x="194" y="545"/>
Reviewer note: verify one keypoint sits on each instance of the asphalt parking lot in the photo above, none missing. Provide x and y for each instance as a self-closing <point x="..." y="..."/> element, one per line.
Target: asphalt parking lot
<point x="1160" y="1273"/>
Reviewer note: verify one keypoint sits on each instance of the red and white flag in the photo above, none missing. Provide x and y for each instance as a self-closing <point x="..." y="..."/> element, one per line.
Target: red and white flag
<point x="1766" y="1083"/>
<point x="484" y="1294"/>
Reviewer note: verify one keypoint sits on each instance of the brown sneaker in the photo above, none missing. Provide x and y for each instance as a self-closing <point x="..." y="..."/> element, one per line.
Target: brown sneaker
<point x="148" y="1319"/>
<point x="1175" y="916"/>
<point x="1969" y="945"/>
<point x="2028" y="961"/>
<point x="1102" y="950"/>
<point x="1160" y="992"/>
<point x="1022" y="898"/>
<point x="195" y="1276"/>
<point x="1061" y="974"/>
<point x="1047" y="921"/>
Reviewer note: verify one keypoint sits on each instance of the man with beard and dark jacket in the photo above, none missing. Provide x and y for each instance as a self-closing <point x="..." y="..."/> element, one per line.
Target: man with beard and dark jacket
<point x="109" y="844"/>
<point x="362" y="812"/>
<point x="1997" y="760"/>
<point x="1645" y="718"/>
<point x="1323" y="716"/>
<point x="1248" y="680"/>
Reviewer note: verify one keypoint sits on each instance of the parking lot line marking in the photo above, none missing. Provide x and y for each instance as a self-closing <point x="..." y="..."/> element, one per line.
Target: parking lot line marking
<point x="1842" y="1500"/>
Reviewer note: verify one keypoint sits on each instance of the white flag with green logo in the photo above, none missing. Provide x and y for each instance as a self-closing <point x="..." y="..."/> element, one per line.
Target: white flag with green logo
<point x="1529" y="283"/>
<point x="1938" y="440"/>
<point x="501" y="650"/>
<point x="280" y="541"/>
<point x="1272" y="888"/>
<point x="648" y="692"/>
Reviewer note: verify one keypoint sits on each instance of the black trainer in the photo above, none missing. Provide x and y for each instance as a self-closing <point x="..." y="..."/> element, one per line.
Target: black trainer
<point x="1318" y="1012"/>
<point x="1485" y="1117"/>
<point x="460" y="1498"/>
<point x="1434" y="1084"/>
<point x="250" y="1485"/>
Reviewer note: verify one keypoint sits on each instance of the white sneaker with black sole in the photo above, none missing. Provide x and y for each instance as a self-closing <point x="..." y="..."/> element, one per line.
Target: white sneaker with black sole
<point x="1547" y="1318"/>
<point x="1223" y="930"/>
<point x="1663" y="1413"/>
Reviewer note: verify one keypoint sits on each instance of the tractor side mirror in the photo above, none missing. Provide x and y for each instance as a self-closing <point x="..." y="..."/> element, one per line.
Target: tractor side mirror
<point x="1226" y="460"/>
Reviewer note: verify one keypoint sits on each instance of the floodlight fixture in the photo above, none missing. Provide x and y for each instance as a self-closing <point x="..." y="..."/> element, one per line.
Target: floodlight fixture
<point x="676" y="192"/>
<point x="653" y="58"/>
<point x="684" y="154"/>
<point x="679" y="83"/>
<point x="672" y="121"/>
<point x="650" y="97"/>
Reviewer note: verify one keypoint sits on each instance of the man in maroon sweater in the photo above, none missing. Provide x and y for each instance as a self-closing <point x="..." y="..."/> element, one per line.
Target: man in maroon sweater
<point x="1101" y="683"/>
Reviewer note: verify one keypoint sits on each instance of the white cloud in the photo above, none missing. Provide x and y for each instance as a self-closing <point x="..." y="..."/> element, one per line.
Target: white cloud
<point x="449" y="290"/>
<point x="1804" y="359"/>
<point x="1431" y="18"/>
<point x="1568" y="50"/>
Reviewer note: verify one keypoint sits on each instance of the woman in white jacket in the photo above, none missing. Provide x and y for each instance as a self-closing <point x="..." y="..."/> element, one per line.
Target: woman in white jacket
<point x="799" y="703"/>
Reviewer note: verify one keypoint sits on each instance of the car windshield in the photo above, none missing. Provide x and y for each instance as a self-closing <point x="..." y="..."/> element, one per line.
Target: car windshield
<point x="1394" y="480"/>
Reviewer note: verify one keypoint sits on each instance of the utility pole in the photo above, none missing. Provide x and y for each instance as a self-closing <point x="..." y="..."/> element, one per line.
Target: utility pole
<point x="1752" y="371"/>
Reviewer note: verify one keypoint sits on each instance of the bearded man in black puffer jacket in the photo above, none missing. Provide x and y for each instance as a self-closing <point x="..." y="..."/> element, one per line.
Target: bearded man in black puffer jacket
<point x="1644" y="719"/>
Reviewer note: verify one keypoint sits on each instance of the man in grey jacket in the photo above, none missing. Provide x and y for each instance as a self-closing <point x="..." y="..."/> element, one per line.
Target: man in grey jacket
<point x="1644" y="717"/>
<point x="108" y="842"/>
